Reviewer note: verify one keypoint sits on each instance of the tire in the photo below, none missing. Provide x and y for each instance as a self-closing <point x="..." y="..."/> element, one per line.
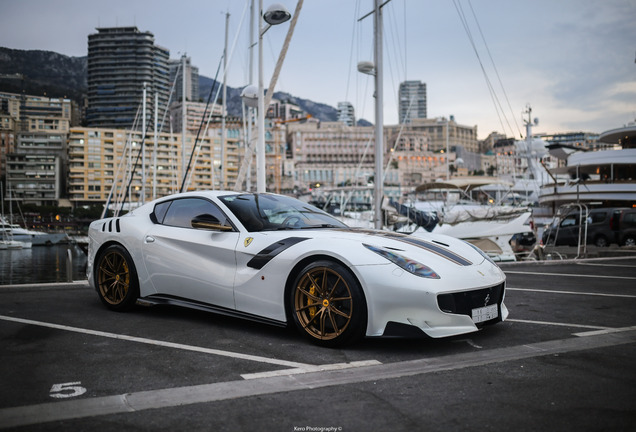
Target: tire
<point x="629" y="241"/>
<point x="601" y="241"/>
<point x="116" y="279"/>
<point x="328" y="305"/>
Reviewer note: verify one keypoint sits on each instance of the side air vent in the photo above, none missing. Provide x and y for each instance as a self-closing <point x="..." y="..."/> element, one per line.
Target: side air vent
<point x="108" y="226"/>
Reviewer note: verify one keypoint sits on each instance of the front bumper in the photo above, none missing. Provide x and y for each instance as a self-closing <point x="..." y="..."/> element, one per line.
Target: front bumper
<point x="436" y="308"/>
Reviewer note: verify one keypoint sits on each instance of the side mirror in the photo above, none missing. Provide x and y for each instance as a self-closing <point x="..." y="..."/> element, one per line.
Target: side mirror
<point x="209" y="222"/>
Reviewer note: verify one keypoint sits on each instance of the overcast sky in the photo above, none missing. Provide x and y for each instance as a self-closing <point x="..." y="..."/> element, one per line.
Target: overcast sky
<point x="573" y="61"/>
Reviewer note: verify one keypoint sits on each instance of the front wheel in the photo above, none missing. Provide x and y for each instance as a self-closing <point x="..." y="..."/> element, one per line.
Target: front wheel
<point x="629" y="241"/>
<point x="328" y="305"/>
<point x="116" y="278"/>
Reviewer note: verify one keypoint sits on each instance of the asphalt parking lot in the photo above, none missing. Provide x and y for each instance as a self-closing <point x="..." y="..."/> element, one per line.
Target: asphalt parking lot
<point x="564" y="360"/>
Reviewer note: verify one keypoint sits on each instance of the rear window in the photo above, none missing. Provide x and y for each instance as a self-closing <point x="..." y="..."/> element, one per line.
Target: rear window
<point x="629" y="219"/>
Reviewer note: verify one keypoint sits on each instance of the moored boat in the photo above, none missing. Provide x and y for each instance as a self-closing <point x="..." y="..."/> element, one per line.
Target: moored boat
<point x="605" y="178"/>
<point x="35" y="238"/>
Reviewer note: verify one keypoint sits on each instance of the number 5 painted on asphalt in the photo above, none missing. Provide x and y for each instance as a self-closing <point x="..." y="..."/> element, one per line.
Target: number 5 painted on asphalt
<point x="62" y="390"/>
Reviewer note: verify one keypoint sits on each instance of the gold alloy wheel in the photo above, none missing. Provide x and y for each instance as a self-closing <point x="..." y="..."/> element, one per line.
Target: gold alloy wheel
<point x="323" y="303"/>
<point x="113" y="277"/>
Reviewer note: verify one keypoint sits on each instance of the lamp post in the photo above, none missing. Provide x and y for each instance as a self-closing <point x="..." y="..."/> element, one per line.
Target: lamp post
<point x="274" y="15"/>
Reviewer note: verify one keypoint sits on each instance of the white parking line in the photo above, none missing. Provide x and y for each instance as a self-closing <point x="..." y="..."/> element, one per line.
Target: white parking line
<point x="569" y="275"/>
<point x="559" y="324"/>
<point x="571" y="292"/>
<point x="161" y="343"/>
<point x="606" y="331"/>
<point x="604" y="265"/>
<point x="321" y="368"/>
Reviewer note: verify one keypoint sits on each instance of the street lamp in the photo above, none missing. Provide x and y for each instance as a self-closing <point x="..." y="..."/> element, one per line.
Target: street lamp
<point x="274" y="15"/>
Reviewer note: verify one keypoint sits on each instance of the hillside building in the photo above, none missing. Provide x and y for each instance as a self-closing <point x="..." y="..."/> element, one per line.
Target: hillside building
<point x="443" y="133"/>
<point x="284" y="110"/>
<point x="99" y="159"/>
<point x="331" y="154"/>
<point x="36" y="170"/>
<point x="196" y="116"/>
<point x="37" y="113"/>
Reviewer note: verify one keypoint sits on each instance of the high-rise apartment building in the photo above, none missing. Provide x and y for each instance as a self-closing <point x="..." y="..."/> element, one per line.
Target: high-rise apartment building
<point x="120" y="61"/>
<point x="412" y="101"/>
<point x="191" y="80"/>
<point x="346" y="113"/>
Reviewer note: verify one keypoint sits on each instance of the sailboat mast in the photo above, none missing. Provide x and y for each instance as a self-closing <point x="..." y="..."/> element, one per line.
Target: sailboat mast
<point x="143" y="147"/>
<point x="379" y="119"/>
<point x="183" y="116"/>
<point x="529" y="124"/>
<point x="154" y="153"/>
<point x="224" y="105"/>
<point x="250" y="111"/>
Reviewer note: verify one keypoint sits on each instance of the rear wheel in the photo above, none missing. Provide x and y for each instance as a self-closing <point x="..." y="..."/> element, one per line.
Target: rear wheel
<point x="601" y="241"/>
<point x="629" y="241"/>
<point x="116" y="279"/>
<point x="328" y="305"/>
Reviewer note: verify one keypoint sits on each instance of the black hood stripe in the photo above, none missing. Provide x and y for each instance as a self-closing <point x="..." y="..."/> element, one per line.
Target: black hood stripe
<point x="266" y="255"/>
<point x="438" y="250"/>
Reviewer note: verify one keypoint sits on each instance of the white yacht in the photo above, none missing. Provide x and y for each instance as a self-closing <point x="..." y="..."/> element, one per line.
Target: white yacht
<point x="469" y="212"/>
<point x="606" y="178"/>
<point x="33" y="238"/>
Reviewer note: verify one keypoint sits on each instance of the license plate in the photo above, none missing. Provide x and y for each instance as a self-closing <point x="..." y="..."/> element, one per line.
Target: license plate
<point x="485" y="313"/>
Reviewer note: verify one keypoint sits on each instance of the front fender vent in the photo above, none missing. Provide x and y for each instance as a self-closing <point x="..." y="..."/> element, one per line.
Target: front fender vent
<point x="109" y="226"/>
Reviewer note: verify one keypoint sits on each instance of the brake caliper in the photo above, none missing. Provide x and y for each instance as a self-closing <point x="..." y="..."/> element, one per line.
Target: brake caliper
<point x="312" y="309"/>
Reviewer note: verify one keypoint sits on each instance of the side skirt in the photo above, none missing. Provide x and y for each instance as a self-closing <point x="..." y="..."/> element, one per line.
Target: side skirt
<point x="181" y="302"/>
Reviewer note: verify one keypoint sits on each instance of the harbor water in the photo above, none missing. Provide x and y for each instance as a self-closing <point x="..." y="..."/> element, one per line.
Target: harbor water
<point x="41" y="264"/>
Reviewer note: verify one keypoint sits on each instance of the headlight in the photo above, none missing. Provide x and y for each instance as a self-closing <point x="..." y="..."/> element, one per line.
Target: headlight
<point x="414" y="267"/>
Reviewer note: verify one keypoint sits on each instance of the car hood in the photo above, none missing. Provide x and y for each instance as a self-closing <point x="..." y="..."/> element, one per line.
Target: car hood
<point x="426" y="248"/>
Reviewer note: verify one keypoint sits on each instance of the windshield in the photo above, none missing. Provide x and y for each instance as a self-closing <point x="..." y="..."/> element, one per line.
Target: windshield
<point x="264" y="212"/>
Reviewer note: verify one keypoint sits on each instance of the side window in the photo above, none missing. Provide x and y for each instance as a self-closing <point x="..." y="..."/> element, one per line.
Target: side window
<point x="630" y="219"/>
<point x="182" y="211"/>
<point x="160" y="211"/>
<point x="570" y="221"/>
<point x="598" y="217"/>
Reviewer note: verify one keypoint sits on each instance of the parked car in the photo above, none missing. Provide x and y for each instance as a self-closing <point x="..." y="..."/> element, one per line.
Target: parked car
<point x="523" y="242"/>
<point x="626" y="228"/>
<point x="277" y="260"/>
<point x="602" y="224"/>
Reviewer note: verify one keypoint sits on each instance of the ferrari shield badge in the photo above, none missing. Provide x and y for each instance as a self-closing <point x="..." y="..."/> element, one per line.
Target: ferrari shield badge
<point x="247" y="241"/>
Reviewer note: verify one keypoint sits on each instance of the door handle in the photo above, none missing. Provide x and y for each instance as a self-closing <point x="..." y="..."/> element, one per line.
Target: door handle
<point x="149" y="239"/>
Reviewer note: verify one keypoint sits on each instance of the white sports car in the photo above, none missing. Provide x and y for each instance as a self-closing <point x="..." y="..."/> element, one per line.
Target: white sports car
<point x="278" y="260"/>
